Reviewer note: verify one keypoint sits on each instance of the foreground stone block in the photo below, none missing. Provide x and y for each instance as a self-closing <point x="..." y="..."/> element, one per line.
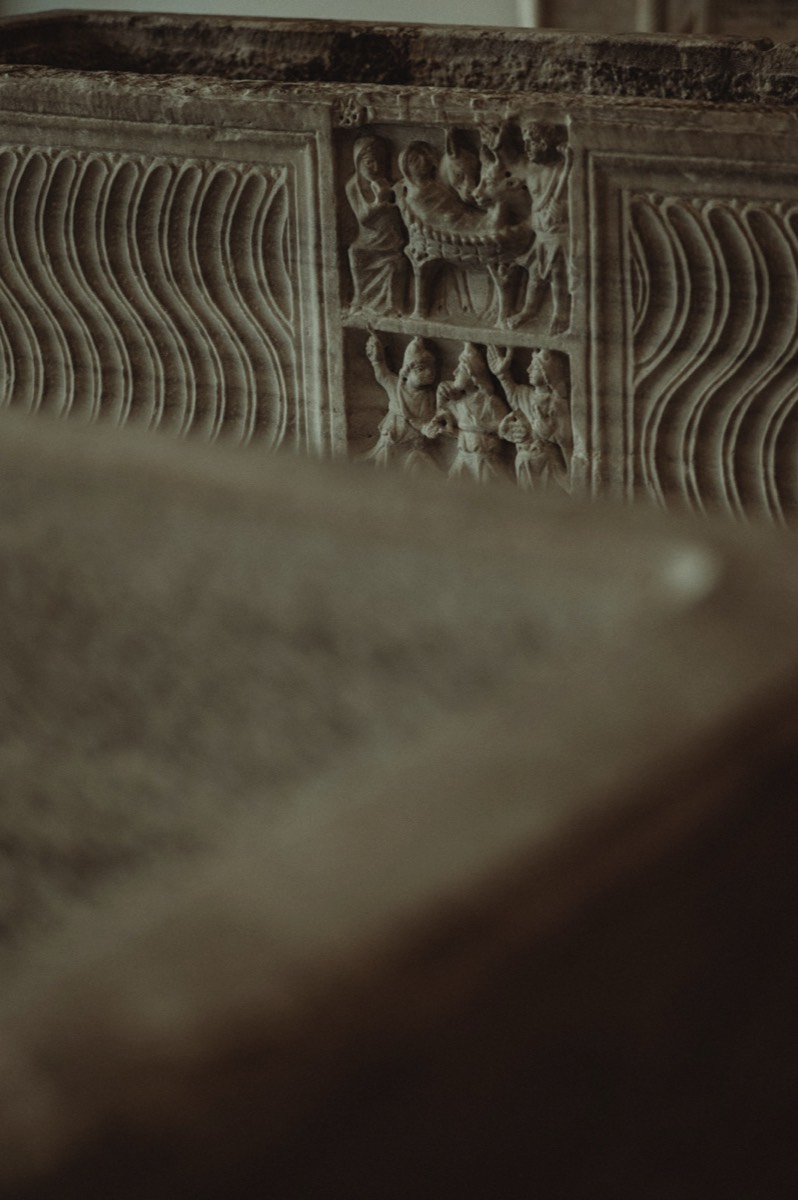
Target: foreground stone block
<point x="394" y="839"/>
<point x="568" y="260"/>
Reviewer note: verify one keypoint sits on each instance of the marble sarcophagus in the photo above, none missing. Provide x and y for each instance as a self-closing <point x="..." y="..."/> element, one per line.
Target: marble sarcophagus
<point x="568" y="260"/>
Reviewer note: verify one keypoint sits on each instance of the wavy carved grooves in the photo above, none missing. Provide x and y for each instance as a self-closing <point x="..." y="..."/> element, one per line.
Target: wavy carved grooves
<point x="154" y="289"/>
<point x="715" y="334"/>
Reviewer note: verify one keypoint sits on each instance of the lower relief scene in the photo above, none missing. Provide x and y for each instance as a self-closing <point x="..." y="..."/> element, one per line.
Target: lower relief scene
<point x="482" y="412"/>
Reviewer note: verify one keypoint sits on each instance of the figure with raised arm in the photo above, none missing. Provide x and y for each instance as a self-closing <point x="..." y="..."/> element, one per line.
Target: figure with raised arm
<point x="411" y="406"/>
<point x="539" y="423"/>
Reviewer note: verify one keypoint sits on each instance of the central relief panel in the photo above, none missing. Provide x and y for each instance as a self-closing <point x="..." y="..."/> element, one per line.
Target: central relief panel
<point x="457" y="282"/>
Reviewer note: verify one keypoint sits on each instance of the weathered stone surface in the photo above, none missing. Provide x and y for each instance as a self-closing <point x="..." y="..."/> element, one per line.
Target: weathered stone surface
<point x="483" y="59"/>
<point x="430" y="837"/>
<point x="570" y="260"/>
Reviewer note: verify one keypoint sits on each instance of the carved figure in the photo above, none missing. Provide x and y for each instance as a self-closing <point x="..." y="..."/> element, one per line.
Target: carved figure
<point x="469" y="409"/>
<point x="539" y="424"/>
<point x="459" y="167"/>
<point x="445" y="225"/>
<point x="459" y="170"/>
<point x="502" y="188"/>
<point x="376" y="257"/>
<point x="426" y="197"/>
<point x="411" y="405"/>
<point x="548" y="263"/>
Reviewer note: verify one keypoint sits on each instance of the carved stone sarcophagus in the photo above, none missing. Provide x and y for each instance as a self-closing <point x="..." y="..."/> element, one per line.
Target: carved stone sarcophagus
<point x="568" y="260"/>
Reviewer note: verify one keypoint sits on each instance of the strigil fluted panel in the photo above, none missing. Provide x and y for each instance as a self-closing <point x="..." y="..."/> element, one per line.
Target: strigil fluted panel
<point x="147" y="288"/>
<point x="715" y="327"/>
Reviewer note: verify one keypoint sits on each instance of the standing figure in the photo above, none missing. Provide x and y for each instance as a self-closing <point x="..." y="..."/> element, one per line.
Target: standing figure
<point x="539" y="424"/>
<point x="548" y="264"/>
<point x="502" y="191"/>
<point x="470" y="410"/>
<point x="376" y="257"/>
<point x="411" y="405"/>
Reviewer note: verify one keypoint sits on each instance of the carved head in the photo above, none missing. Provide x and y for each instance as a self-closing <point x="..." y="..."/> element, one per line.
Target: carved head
<point x="502" y="137"/>
<point x="546" y="371"/>
<point x="418" y="162"/>
<point x="502" y="161"/>
<point x="471" y="369"/>
<point x="497" y="179"/>
<point x="418" y="365"/>
<point x="491" y="134"/>
<point x="371" y="157"/>
<point x="544" y="143"/>
<point x="459" y="168"/>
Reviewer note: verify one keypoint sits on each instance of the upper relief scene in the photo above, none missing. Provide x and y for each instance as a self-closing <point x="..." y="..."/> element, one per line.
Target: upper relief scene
<point x="472" y="232"/>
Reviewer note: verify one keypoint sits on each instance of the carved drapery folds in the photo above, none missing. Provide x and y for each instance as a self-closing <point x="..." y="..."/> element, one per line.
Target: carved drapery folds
<point x="470" y="410"/>
<point x="539" y="423"/>
<point x="411" y="405"/>
<point x="376" y="256"/>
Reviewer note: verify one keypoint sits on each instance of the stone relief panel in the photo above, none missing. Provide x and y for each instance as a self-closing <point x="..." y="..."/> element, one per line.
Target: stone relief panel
<point x="457" y="296"/>
<point x="462" y="226"/>
<point x="482" y="412"/>
<point x="713" y="311"/>
<point x="539" y="268"/>
<point x="152" y="288"/>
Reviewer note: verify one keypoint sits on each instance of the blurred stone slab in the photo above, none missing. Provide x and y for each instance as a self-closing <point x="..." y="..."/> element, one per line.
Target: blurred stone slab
<point x="492" y="877"/>
<point x="777" y="19"/>
<point x="569" y="260"/>
<point x="753" y="18"/>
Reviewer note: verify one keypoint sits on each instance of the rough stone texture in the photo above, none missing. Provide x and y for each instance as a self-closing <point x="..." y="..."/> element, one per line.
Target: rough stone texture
<point x="570" y="260"/>
<point x="395" y="839"/>
<point x="488" y="59"/>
